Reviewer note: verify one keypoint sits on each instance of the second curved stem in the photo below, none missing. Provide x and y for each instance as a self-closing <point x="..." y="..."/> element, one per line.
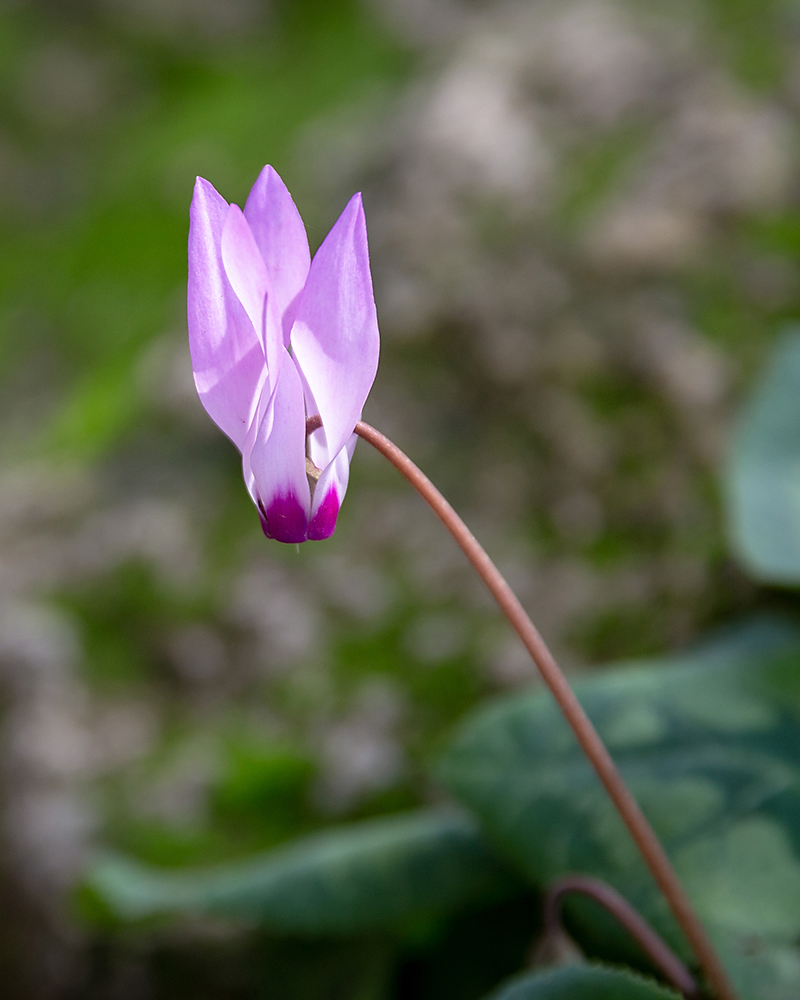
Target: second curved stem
<point x="659" y="952"/>
<point x="643" y="834"/>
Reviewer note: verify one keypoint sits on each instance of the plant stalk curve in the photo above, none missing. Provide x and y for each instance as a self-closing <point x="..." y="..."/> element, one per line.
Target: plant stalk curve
<point x="659" y="952"/>
<point x="643" y="834"/>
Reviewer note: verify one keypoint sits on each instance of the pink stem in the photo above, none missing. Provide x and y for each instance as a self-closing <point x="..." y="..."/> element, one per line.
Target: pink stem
<point x="643" y="834"/>
<point x="662" y="956"/>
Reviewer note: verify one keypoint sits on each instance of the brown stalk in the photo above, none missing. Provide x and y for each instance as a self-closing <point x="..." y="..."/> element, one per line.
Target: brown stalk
<point x="662" y="956"/>
<point x="588" y="737"/>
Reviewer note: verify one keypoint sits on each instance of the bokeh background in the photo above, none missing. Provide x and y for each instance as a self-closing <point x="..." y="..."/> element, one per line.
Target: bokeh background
<point x="584" y="221"/>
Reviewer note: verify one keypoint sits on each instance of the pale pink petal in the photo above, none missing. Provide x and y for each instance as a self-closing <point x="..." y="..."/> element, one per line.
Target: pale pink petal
<point x="277" y="461"/>
<point x="281" y="238"/>
<point x="317" y="442"/>
<point x="227" y="356"/>
<point x="335" y="335"/>
<point x="317" y="445"/>
<point x="329" y="493"/>
<point x="257" y="426"/>
<point x="247" y="273"/>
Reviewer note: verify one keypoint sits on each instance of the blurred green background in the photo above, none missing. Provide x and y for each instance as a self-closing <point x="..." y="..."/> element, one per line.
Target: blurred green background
<point x="584" y="225"/>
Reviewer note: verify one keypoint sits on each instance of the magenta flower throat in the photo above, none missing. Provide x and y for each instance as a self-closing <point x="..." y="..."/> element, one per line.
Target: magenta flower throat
<point x="276" y="337"/>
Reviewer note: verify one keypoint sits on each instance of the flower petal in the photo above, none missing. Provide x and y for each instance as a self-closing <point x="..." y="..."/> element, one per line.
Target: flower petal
<point x="276" y="465"/>
<point x="316" y="442"/>
<point x="329" y="493"/>
<point x="249" y="278"/>
<point x="227" y="356"/>
<point x="281" y="238"/>
<point x="335" y="335"/>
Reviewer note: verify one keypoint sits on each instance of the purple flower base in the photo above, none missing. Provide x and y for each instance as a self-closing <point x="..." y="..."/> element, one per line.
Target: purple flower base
<point x="285" y="519"/>
<point x="323" y="523"/>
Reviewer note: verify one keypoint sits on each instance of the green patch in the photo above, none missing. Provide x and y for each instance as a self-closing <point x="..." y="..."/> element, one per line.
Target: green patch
<point x="749" y="33"/>
<point x="592" y="172"/>
<point x="778" y="233"/>
<point x="623" y="631"/>
<point x="124" y="619"/>
<point x="263" y="779"/>
<point x="438" y="693"/>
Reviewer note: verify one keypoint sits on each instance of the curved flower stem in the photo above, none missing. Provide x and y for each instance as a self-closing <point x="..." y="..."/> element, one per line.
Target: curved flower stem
<point x="588" y="737"/>
<point x="662" y="956"/>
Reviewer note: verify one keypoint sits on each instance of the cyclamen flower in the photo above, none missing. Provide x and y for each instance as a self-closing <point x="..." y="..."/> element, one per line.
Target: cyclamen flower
<point x="276" y="337"/>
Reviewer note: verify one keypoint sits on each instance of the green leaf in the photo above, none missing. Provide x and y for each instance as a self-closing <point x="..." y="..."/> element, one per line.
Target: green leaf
<point x="760" y="968"/>
<point x="709" y="744"/>
<point x="763" y="475"/>
<point x="379" y="873"/>
<point x="583" y="982"/>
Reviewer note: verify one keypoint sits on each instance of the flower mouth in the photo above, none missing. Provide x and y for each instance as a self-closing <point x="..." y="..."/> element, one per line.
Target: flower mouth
<point x="313" y="424"/>
<point x="312" y="474"/>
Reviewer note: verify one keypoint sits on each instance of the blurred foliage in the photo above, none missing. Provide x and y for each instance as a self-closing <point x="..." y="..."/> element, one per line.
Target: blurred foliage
<point x="708" y="744"/>
<point x="384" y="873"/>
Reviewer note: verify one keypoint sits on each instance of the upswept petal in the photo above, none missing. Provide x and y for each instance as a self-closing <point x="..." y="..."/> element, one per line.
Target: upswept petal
<point x="329" y="493"/>
<point x="335" y="337"/>
<point x="249" y="278"/>
<point x="227" y="356"/>
<point x="281" y="238"/>
<point x="277" y="461"/>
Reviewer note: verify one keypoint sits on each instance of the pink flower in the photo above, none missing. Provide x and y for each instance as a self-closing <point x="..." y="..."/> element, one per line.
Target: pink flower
<point x="276" y="337"/>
